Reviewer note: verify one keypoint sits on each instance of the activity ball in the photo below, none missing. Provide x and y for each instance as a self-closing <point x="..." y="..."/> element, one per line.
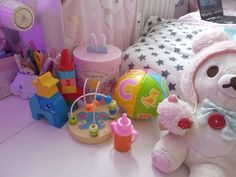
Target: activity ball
<point x="139" y="92"/>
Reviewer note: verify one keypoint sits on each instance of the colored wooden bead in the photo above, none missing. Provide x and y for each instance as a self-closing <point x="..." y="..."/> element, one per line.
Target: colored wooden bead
<point x="112" y="107"/>
<point x="73" y="120"/>
<point x="90" y="107"/>
<point x="98" y="97"/>
<point x="108" y="99"/>
<point x="93" y="130"/>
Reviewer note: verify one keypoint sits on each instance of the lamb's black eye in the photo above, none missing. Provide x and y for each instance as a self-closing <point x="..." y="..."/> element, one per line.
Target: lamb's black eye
<point x="212" y="71"/>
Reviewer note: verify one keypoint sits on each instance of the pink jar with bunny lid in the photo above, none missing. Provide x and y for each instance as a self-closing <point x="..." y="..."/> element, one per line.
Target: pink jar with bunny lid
<point x="102" y="67"/>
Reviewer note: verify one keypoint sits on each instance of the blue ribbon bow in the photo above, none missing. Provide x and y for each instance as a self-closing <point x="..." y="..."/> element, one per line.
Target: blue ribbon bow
<point x="208" y="107"/>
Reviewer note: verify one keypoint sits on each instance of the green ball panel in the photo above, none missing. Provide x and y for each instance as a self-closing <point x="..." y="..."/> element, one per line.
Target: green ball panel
<point x="150" y="94"/>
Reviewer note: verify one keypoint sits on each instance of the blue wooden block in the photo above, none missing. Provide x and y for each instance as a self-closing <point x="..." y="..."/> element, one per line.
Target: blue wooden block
<point x="66" y="74"/>
<point x="54" y="109"/>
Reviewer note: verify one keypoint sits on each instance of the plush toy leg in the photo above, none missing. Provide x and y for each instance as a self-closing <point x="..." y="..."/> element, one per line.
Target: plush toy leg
<point x="206" y="170"/>
<point x="169" y="153"/>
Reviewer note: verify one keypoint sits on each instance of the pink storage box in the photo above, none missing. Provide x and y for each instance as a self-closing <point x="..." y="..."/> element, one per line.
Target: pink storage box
<point x="8" y="70"/>
<point x="102" y="67"/>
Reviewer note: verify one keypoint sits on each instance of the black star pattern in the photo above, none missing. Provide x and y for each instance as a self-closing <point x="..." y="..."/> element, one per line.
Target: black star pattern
<point x="143" y="40"/>
<point x="179" y="67"/>
<point x="172" y="58"/>
<point x="165" y="73"/>
<point x="171" y="86"/>
<point x="166" y="52"/>
<point x="150" y="35"/>
<point x="189" y="48"/>
<point x="178" y="39"/>
<point x="137" y="50"/>
<point x="173" y="33"/>
<point x="177" y="50"/>
<point x="185" y="56"/>
<point x="195" y="32"/>
<point x="189" y="36"/>
<point x="146" y="44"/>
<point x="168" y="22"/>
<point x="151" y="48"/>
<point x="167" y="41"/>
<point x="163" y="37"/>
<point x="170" y="30"/>
<point x="142" y="57"/>
<point x="131" y="65"/>
<point x="147" y="67"/>
<point x="160" y="62"/>
<point x="126" y="56"/>
<point x="158" y="19"/>
<point x="145" y="34"/>
<point x="153" y="31"/>
<point x="150" y="23"/>
<point x="161" y="46"/>
<point x="154" y="54"/>
<point x="135" y="46"/>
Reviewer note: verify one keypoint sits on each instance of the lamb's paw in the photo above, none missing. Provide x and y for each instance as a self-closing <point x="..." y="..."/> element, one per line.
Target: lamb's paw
<point x="161" y="162"/>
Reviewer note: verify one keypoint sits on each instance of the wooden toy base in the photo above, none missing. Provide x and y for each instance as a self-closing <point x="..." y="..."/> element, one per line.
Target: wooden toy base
<point x="80" y="131"/>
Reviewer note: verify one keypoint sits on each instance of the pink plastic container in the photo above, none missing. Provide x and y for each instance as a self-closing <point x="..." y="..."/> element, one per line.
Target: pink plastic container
<point x="102" y="67"/>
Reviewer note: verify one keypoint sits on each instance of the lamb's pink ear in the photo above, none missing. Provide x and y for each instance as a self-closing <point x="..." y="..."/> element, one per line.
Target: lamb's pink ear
<point x="205" y="39"/>
<point x="200" y="42"/>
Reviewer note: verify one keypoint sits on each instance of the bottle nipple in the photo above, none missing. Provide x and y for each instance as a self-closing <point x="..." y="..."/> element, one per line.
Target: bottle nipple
<point x="124" y="119"/>
<point x="124" y="123"/>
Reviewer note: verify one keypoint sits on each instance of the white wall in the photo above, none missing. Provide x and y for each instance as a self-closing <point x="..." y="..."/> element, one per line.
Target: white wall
<point x="181" y="10"/>
<point x="48" y="30"/>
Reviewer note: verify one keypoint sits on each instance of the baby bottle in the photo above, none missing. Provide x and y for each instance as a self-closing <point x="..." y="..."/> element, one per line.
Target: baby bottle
<point x="124" y="133"/>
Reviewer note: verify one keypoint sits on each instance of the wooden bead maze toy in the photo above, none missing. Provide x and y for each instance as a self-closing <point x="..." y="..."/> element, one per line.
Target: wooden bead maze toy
<point x="90" y="122"/>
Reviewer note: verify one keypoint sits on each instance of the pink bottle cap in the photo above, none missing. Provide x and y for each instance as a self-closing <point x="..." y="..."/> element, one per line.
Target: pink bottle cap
<point x="124" y="124"/>
<point x="124" y="127"/>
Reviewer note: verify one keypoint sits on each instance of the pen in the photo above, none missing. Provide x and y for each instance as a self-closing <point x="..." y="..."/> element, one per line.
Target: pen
<point x="31" y="57"/>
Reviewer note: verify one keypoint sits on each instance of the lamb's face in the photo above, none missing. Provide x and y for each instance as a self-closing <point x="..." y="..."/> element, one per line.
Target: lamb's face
<point x="216" y="80"/>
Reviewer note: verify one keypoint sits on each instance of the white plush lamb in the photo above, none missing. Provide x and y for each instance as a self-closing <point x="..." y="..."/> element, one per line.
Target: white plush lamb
<point x="203" y="139"/>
